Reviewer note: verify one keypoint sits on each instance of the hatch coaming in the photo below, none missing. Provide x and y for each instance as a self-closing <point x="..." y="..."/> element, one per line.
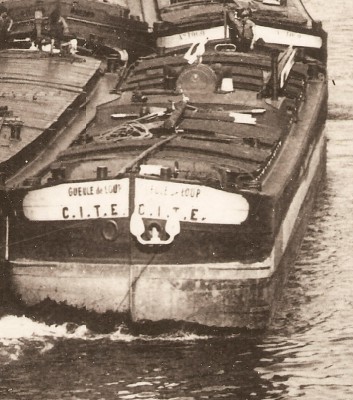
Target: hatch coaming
<point x="225" y="138"/>
<point x="204" y="153"/>
<point x="220" y="135"/>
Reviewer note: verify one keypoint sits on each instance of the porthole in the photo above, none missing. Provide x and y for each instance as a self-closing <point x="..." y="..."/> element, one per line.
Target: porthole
<point x="110" y="230"/>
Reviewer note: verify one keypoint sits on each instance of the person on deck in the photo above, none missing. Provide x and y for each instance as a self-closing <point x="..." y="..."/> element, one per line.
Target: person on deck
<point x="58" y="26"/>
<point x="241" y="27"/>
<point x="5" y="26"/>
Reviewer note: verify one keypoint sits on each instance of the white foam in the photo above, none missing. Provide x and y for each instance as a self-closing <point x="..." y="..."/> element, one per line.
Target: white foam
<point x="14" y="329"/>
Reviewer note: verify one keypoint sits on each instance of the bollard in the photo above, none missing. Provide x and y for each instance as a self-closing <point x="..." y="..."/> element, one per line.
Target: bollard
<point x="13" y="132"/>
<point x="112" y="63"/>
<point x="38" y="18"/>
<point x="166" y="173"/>
<point x="102" y="172"/>
<point x="18" y="128"/>
<point x="58" y="173"/>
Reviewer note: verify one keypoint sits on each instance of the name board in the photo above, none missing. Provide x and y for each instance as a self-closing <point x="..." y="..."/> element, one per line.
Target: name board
<point x="153" y="199"/>
<point x="186" y="38"/>
<point x="267" y="34"/>
<point x="79" y="201"/>
<point x="189" y="203"/>
<point x="289" y="38"/>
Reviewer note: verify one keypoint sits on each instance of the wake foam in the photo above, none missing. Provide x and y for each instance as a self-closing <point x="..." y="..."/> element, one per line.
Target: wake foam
<point x="15" y="329"/>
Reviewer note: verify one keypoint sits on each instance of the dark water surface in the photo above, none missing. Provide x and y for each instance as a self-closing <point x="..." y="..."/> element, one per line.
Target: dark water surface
<point x="308" y="351"/>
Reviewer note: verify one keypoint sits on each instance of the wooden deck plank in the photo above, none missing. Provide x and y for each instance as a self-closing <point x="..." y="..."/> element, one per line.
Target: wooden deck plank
<point x="56" y="77"/>
<point x="12" y="147"/>
<point x="50" y="70"/>
<point x="233" y="164"/>
<point x="38" y="89"/>
<point x="38" y="113"/>
<point x="269" y="136"/>
<point x="237" y="151"/>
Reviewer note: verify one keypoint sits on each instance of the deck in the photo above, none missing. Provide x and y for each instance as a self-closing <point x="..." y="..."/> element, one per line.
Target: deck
<point x="208" y="139"/>
<point x="38" y="90"/>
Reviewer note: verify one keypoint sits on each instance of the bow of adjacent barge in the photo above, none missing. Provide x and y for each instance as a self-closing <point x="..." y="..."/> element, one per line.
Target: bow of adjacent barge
<point x="98" y="25"/>
<point x="187" y="197"/>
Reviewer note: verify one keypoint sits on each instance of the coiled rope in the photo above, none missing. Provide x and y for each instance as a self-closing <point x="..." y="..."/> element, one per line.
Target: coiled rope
<point x="129" y="130"/>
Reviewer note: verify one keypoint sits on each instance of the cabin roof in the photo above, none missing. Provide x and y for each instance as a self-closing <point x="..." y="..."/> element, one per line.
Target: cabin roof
<point x="191" y="12"/>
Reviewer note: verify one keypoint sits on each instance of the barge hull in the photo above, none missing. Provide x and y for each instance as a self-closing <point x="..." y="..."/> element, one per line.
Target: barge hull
<point x="235" y="294"/>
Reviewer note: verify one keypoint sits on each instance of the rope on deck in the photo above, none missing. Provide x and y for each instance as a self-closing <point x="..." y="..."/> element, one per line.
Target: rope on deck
<point x="145" y="153"/>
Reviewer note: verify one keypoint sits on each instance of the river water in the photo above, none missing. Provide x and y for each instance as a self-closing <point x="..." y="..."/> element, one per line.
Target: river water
<point x="307" y="353"/>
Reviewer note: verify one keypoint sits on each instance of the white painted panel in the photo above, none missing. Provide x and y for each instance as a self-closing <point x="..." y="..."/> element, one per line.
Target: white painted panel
<point x="78" y="201"/>
<point x="282" y="36"/>
<point x="268" y="34"/>
<point x="192" y="203"/>
<point x="185" y="38"/>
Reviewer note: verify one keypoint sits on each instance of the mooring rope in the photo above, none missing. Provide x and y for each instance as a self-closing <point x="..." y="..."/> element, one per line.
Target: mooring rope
<point x="129" y="130"/>
<point x="133" y="283"/>
<point x="145" y="153"/>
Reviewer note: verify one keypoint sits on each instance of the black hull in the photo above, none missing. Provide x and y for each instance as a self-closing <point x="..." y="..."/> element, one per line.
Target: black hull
<point x="235" y="294"/>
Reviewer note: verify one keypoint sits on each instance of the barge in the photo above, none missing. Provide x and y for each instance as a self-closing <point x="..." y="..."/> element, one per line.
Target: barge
<point x="42" y="95"/>
<point x="96" y="24"/>
<point x="181" y="23"/>
<point x="186" y="198"/>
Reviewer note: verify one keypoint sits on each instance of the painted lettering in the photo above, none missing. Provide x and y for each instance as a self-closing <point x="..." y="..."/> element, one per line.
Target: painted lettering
<point x="65" y="212"/>
<point x="194" y="212"/>
<point x="112" y="188"/>
<point x="97" y="209"/>
<point x="113" y="209"/>
<point x="167" y="191"/>
<point x="141" y="209"/>
<point x="190" y="192"/>
<point x="91" y="190"/>
<point x="81" y="191"/>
